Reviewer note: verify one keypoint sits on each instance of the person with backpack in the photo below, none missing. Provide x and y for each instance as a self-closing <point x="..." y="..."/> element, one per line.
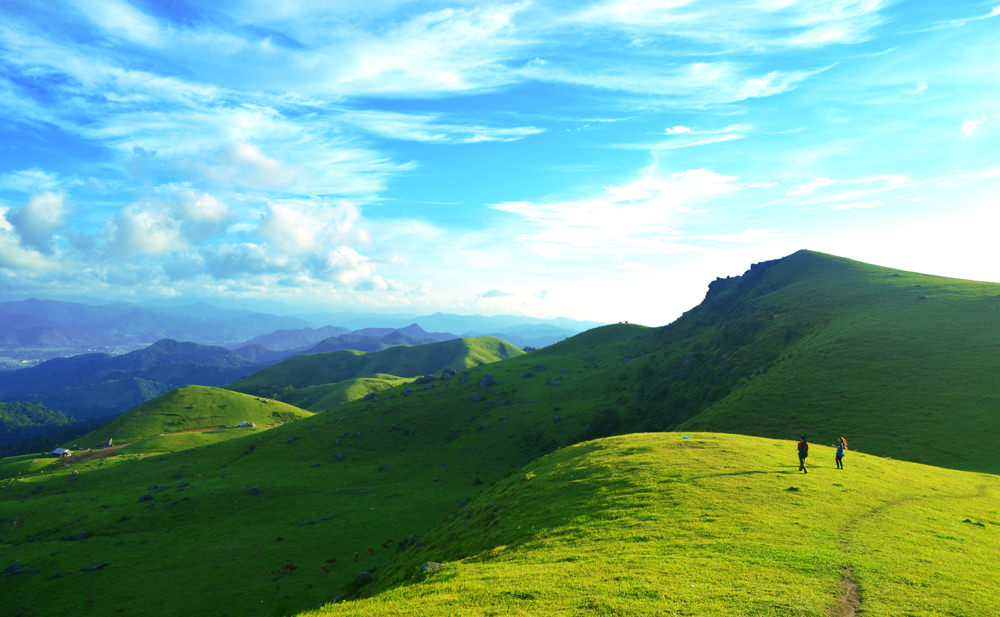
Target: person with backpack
<point x="841" y="448"/>
<point x="803" y="447"/>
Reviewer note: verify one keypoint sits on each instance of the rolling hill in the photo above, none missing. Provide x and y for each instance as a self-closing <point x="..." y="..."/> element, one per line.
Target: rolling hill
<point x="193" y="409"/>
<point x="504" y="474"/>
<point x="280" y="380"/>
<point x="98" y="385"/>
<point x="704" y="524"/>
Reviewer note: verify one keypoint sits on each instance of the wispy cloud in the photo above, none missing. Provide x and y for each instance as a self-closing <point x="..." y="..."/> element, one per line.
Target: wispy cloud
<point x="641" y="217"/>
<point x="752" y="26"/>
<point x="431" y="128"/>
<point x="693" y="137"/>
<point x="694" y="85"/>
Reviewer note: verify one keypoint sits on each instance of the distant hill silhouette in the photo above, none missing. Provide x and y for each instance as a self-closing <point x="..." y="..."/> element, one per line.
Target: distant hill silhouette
<point x="377" y="339"/>
<point x="98" y="385"/>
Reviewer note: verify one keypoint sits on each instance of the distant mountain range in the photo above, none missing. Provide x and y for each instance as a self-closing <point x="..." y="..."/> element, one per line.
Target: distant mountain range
<point x="32" y="331"/>
<point x="98" y="385"/>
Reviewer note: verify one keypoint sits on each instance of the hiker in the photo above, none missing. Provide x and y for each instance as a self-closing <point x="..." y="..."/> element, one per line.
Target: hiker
<point x="841" y="447"/>
<point x="803" y="447"/>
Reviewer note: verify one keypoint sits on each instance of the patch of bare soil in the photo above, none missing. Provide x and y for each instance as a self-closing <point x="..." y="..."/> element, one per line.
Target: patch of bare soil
<point x="200" y="429"/>
<point x="848" y="599"/>
<point x="82" y="456"/>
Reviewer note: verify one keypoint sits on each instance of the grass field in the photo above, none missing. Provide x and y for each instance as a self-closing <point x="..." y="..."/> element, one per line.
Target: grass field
<point x="659" y="524"/>
<point x="191" y="408"/>
<point x="497" y="470"/>
<point x="282" y="379"/>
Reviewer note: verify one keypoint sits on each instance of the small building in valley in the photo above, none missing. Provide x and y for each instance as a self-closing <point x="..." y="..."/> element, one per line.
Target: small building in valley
<point x="61" y="452"/>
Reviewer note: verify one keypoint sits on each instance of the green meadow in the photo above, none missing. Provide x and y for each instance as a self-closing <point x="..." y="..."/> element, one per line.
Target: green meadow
<point x="706" y="524"/>
<point x="559" y="481"/>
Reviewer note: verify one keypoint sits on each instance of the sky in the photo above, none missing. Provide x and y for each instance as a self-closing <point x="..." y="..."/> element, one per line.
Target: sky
<point x="598" y="159"/>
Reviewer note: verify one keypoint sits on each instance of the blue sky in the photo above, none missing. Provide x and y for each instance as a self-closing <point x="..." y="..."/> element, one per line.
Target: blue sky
<point x="599" y="160"/>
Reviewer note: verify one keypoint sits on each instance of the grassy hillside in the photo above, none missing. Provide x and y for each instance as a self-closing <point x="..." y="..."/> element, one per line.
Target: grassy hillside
<point x="282" y="379"/>
<point x="328" y="396"/>
<point x="625" y="526"/>
<point x="661" y="524"/>
<point x="903" y="363"/>
<point x="190" y="408"/>
<point x="648" y="524"/>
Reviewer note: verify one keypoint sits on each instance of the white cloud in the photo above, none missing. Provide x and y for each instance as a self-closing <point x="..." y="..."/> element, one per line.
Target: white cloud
<point x="142" y="230"/>
<point x="852" y="191"/>
<point x="246" y="165"/>
<point x="921" y="87"/>
<point x="122" y="20"/>
<point x="741" y="26"/>
<point x="638" y="218"/>
<point x="810" y="187"/>
<point x="970" y="126"/>
<point x="29" y="181"/>
<point x="172" y="223"/>
<point x="37" y="220"/>
<point x="693" y="137"/>
<point x="495" y="293"/>
<point x="13" y="255"/>
<point x="747" y="236"/>
<point x="857" y="205"/>
<point x="429" y="128"/>
<point x="692" y="85"/>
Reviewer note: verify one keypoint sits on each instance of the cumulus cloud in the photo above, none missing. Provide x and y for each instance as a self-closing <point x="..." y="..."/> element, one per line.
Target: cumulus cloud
<point x="158" y="226"/>
<point x="13" y="254"/>
<point x="245" y="164"/>
<point x="37" y="220"/>
<point x="303" y="227"/>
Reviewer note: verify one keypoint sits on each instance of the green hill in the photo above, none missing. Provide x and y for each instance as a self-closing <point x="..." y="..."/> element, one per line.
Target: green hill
<point x="662" y="524"/>
<point x="251" y="526"/>
<point x="282" y="379"/>
<point x="903" y="364"/>
<point x="328" y="396"/>
<point x="193" y="409"/>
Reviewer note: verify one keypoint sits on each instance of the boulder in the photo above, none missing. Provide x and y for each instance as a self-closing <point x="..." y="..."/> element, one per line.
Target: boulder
<point x="15" y="568"/>
<point x="430" y="566"/>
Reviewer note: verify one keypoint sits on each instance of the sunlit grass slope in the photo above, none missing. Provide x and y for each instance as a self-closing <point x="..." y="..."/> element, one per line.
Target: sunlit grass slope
<point x="189" y="408"/>
<point x="771" y="352"/>
<point x="281" y="380"/>
<point x="328" y="486"/>
<point x="714" y="525"/>
<point x="903" y="364"/>
<point x="326" y="396"/>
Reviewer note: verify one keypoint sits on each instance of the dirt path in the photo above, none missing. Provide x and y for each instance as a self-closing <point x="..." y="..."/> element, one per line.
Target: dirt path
<point x="849" y="598"/>
<point x="82" y="456"/>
